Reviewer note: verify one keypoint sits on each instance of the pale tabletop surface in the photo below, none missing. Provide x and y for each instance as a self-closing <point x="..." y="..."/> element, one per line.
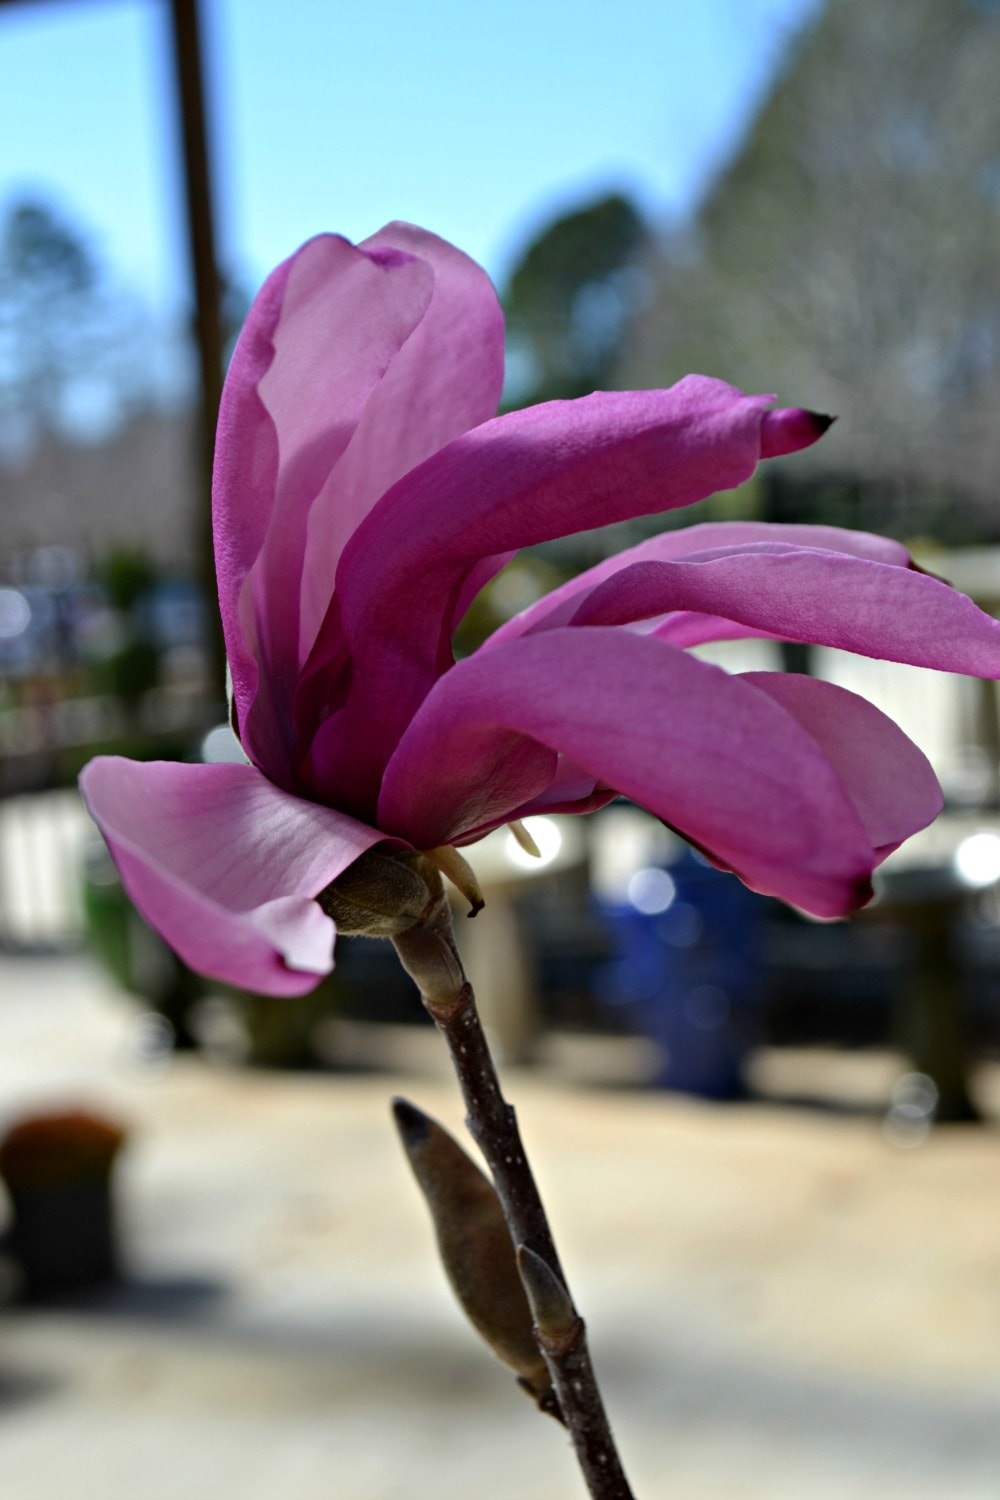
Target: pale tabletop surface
<point x="782" y="1304"/>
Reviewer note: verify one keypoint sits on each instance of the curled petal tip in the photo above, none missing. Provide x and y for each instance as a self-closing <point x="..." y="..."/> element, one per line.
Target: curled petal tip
<point x="822" y="421"/>
<point x="791" y="428"/>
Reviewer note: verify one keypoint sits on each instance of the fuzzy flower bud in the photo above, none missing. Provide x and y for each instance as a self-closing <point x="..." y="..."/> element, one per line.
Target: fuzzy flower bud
<point x="379" y="895"/>
<point x="474" y="1243"/>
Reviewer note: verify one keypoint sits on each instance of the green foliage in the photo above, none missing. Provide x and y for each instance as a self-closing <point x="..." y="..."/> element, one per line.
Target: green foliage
<point x="570" y="299"/>
<point x="125" y="576"/>
<point x="130" y="672"/>
<point x="127" y="579"/>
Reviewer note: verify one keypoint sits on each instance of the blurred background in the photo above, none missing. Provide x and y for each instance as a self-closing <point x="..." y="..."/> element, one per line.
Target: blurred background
<point x="770" y="1144"/>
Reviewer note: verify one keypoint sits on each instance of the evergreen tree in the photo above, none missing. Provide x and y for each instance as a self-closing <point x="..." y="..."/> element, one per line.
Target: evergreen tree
<point x="570" y="300"/>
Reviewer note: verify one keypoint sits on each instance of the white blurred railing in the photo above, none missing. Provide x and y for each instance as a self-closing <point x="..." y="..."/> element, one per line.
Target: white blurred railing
<point x="42" y="839"/>
<point x="952" y="719"/>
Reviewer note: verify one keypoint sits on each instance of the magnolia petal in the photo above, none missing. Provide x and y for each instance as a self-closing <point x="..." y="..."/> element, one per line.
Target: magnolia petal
<point x="225" y="866"/>
<point x="523" y="478"/>
<point x="827" y="598"/>
<point x="559" y="606"/>
<point x="571" y="790"/>
<point x="243" y="483"/>
<point x="889" y="780"/>
<point x="684" y="627"/>
<point x="318" y="340"/>
<point x="543" y="804"/>
<point x="715" y="757"/>
<point x="446" y="378"/>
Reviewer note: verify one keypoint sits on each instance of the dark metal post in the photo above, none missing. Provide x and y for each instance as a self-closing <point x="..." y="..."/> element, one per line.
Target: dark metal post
<point x="207" y="285"/>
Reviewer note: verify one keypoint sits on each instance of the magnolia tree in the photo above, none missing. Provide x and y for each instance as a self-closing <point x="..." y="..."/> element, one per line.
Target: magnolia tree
<point x="364" y="492"/>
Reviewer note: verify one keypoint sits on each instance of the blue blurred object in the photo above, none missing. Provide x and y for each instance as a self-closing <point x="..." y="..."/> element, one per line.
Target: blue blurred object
<point x="688" y="966"/>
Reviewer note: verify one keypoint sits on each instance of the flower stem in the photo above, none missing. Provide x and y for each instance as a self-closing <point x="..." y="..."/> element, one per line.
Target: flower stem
<point x="428" y="953"/>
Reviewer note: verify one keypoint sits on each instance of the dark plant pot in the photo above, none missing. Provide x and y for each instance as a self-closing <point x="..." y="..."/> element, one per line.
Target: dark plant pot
<point x="63" y="1237"/>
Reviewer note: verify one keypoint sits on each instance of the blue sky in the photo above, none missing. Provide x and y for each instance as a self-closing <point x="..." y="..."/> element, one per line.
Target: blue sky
<point x="481" y="122"/>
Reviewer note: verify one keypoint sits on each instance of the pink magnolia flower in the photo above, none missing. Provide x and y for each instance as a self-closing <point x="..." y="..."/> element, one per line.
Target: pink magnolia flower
<point x="364" y="492"/>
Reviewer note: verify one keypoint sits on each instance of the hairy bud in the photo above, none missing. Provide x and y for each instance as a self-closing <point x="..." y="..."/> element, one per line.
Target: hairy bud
<point x="380" y="895"/>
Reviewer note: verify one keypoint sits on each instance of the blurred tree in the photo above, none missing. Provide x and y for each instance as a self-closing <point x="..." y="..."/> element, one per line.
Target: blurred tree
<point x="850" y="256"/>
<point x="571" y="299"/>
<point x="74" y="349"/>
